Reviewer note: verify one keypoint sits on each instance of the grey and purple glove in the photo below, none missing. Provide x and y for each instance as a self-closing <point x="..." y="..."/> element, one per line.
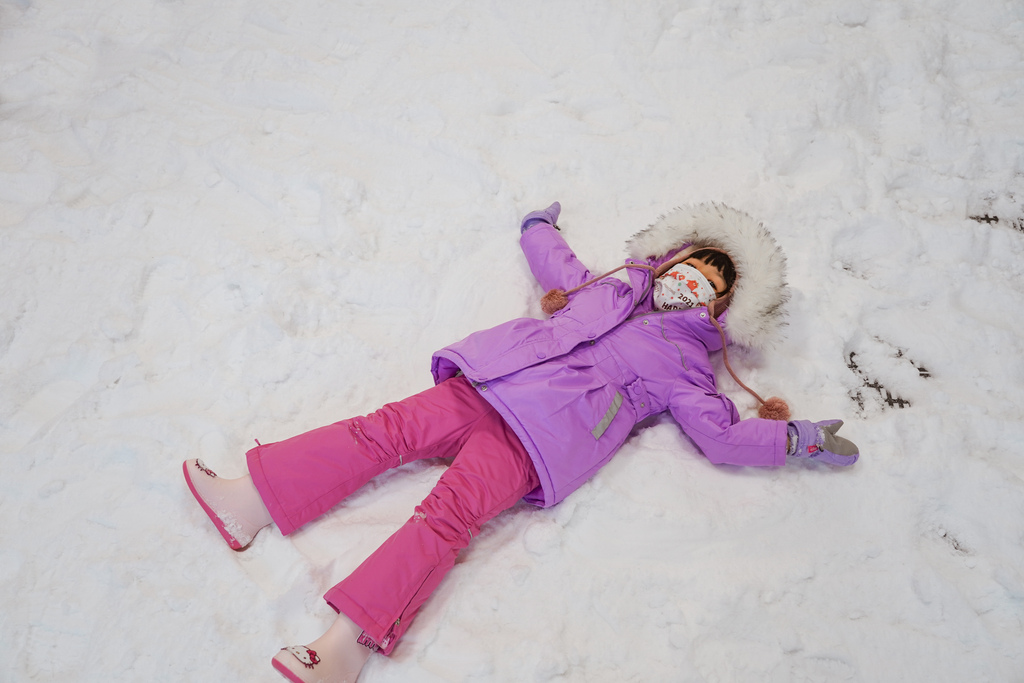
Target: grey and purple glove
<point x="818" y="440"/>
<point x="548" y="215"/>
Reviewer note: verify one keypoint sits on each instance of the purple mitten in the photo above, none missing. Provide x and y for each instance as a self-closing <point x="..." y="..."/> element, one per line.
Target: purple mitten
<point x="548" y="215"/>
<point x="818" y="440"/>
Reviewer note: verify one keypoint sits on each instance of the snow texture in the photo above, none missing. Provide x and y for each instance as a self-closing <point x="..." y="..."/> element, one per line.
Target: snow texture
<point x="245" y="219"/>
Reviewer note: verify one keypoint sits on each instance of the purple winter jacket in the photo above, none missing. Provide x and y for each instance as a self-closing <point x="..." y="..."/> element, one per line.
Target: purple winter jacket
<point x="574" y="386"/>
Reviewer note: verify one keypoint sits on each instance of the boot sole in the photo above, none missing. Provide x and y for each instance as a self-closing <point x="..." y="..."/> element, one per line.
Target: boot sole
<point x="285" y="671"/>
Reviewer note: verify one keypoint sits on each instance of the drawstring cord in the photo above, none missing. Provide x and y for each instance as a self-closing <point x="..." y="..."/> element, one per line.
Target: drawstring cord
<point x="556" y="299"/>
<point x="725" y="356"/>
<point x="774" y="408"/>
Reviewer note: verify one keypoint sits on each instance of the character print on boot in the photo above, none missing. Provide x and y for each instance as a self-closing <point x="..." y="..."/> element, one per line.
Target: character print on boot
<point x="309" y="658"/>
<point x="334" y="657"/>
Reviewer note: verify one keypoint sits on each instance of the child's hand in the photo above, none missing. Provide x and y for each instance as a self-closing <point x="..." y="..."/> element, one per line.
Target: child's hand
<point x="818" y="440"/>
<point x="548" y="215"/>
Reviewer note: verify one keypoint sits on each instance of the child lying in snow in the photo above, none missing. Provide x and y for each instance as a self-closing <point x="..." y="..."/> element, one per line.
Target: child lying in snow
<point x="530" y="410"/>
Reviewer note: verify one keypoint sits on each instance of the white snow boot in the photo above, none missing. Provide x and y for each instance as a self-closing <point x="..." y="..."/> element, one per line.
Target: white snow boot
<point x="334" y="657"/>
<point x="234" y="505"/>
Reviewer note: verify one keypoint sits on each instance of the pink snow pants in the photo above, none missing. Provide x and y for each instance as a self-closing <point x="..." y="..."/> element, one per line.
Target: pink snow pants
<point x="303" y="477"/>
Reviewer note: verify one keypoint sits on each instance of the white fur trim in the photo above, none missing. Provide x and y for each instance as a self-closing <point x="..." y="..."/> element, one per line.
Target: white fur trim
<point x="756" y="313"/>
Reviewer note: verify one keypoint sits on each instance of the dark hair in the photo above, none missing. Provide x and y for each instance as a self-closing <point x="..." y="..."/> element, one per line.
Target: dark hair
<point x="720" y="260"/>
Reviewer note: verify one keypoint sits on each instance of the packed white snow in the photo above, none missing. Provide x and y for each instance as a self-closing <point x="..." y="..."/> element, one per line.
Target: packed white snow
<point x="230" y="221"/>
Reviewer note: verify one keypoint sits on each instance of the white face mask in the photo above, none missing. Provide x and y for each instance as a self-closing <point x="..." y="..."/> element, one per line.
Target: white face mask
<point x="683" y="286"/>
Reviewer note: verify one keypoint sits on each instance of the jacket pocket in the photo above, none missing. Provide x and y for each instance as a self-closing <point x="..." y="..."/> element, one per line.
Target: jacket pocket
<point x="638" y="397"/>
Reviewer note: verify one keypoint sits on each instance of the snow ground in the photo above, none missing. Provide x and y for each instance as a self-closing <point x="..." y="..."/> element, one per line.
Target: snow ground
<point x="247" y="219"/>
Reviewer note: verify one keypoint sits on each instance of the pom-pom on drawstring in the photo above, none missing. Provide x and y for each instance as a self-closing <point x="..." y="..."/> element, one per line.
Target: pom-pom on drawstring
<point x="554" y="300"/>
<point x="774" y="409"/>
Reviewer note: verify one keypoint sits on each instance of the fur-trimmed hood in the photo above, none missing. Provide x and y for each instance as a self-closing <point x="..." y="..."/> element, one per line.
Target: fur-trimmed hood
<point x="755" y="315"/>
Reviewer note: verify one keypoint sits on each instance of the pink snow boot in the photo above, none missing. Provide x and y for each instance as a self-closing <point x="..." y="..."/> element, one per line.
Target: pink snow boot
<point x="234" y="505"/>
<point x="334" y="657"/>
